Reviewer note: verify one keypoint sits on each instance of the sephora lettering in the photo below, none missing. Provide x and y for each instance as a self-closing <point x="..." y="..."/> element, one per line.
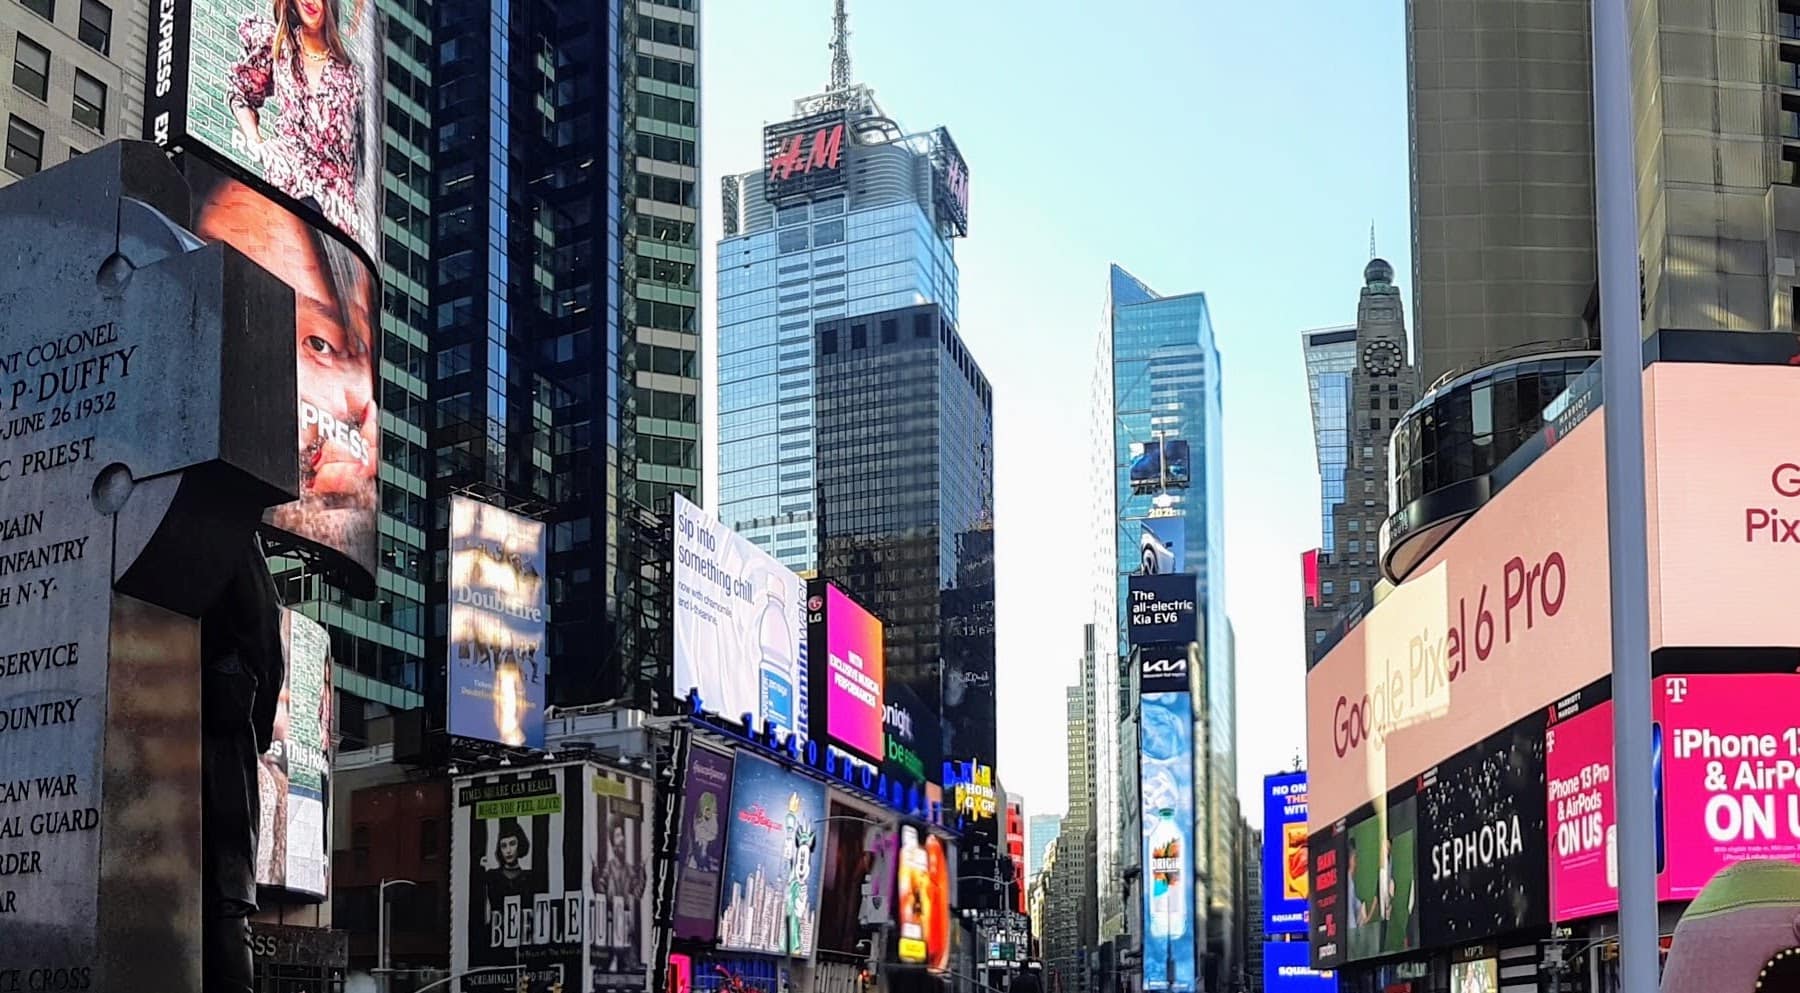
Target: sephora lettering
<point x="1479" y="848"/>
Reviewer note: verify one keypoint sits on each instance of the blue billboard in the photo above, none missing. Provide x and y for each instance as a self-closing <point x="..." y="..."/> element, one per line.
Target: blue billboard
<point x="1284" y="853"/>
<point x="1287" y="970"/>
<point x="772" y="861"/>
<point x="1166" y="771"/>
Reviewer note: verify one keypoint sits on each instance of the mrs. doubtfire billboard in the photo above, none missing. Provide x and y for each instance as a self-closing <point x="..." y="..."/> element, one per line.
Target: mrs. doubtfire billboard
<point x="287" y="93"/>
<point x="497" y="665"/>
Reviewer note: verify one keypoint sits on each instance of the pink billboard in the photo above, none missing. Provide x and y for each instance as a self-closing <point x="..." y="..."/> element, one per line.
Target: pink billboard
<point x="1583" y="823"/>
<point x="851" y="682"/>
<point x="1728" y="751"/>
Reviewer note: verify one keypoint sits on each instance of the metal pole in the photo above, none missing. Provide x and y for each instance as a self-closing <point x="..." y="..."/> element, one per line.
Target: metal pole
<point x="381" y="937"/>
<point x="1621" y="343"/>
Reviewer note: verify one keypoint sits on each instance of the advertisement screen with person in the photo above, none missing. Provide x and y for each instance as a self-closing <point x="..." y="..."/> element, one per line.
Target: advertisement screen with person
<point x="293" y="778"/>
<point x="335" y="296"/>
<point x="289" y="92"/>
<point x="701" y="856"/>
<point x="922" y="899"/>
<point x="618" y="923"/>
<point x="1166" y="770"/>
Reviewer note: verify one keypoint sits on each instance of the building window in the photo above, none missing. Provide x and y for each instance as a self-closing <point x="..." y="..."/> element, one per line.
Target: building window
<point x="1374" y="403"/>
<point x="1393" y="403"/>
<point x="24" y="147"/>
<point x="791" y="240"/>
<point x="1374" y="424"/>
<point x="1318" y="636"/>
<point x="428" y="838"/>
<point x="1355" y="545"/>
<point x="90" y="101"/>
<point x="45" y="9"/>
<point x="1327" y="587"/>
<point x="96" y="26"/>
<point x="1355" y="525"/>
<point x="31" y="67"/>
<point x="1356" y="586"/>
<point x="1368" y="451"/>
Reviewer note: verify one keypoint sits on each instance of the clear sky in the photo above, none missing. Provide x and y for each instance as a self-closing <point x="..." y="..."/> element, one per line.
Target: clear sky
<point x="1239" y="149"/>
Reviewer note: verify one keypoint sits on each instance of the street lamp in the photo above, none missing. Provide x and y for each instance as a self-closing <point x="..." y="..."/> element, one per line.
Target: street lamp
<point x="381" y="932"/>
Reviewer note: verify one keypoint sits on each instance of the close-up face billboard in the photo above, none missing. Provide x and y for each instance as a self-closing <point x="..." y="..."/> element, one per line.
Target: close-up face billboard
<point x="289" y="92"/>
<point x="497" y="667"/>
<point x="740" y="624"/>
<point x="335" y="319"/>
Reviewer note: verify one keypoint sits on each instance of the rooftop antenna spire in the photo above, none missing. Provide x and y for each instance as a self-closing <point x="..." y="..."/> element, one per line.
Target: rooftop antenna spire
<point x="840" y="49"/>
<point x="1371" y="233"/>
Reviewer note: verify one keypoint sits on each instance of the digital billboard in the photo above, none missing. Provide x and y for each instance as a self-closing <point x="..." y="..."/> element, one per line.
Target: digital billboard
<point x="740" y="625"/>
<point x="549" y="871"/>
<point x="860" y="877"/>
<point x="288" y="94"/>
<point x="1159" y="465"/>
<point x="849" y="690"/>
<point x="1165" y="668"/>
<point x="1166" y="771"/>
<point x="805" y="157"/>
<point x="1381" y="865"/>
<point x="1162" y="545"/>
<point x="1285" y="855"/>
<point x="950" y="183"/>
<point x="912" y="737"/>
<point x="497" y="666"/>
<point x="701" y="856"/>
<point x="1728" y="770"/>
<point x="1582" y="823"/>
<point x="1161" y="609"/>
<point x="1286" y="970"/>
<point x="972" y="793"/>
<point x="293" y="851"/>
<point x="1509" y="614"/>
<point x="1328" y="920"/>
<point x="335" y="321"/>
<point x="1475" y="975"/>
<point x="772" y="861"/>
<point x="1484" y="872"/>
<point x="923" y="899"/>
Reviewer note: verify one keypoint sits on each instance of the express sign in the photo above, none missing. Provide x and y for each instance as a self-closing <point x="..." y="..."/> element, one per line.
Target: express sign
<point x="803" y="157"/>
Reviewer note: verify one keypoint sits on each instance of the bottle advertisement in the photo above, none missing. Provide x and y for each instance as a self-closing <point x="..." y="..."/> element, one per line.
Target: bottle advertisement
<point x="740" y="631"/>
<point x="1166" y="745"/>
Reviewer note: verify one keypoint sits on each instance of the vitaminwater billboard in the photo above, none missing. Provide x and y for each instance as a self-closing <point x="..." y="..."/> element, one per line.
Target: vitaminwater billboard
<point x="1166" y="770"/>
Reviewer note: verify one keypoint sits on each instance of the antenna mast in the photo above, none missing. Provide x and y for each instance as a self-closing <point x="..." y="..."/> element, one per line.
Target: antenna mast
<point x="840" y="49"/>
<point x="1371" y="241"/>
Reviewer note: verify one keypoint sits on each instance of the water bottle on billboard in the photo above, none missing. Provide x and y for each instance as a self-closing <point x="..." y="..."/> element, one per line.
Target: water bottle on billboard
<point x="779" y="652"/>
<point x="1168" y="881"/>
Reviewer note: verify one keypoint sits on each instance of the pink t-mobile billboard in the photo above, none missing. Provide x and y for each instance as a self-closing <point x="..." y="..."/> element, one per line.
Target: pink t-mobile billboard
<point x="1582" y="820"/>
<point x="1728" y="755"/>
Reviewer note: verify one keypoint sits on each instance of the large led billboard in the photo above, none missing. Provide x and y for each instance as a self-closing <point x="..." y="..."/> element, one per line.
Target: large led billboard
<point x="497" y="666"/>
<point x="335" y="321"/>
<point x="1162" y="544"/>
<point x="805" y="157"/>
<point x="1484" y="871"/>
<point x="701" y="857"/>
<point x="1381" y="879"/>
<point x="740" y="625"/>
<point x="1166" y="771"/>
<point x="1582" y="823"/>
<point x="949" y="183"/>
<point x="1162" y="609"/>
<point x="1167" y="668"/>
<point x="912" y="736"/>
<point x="860" y="876"/>
<point x="293" y="850"/>
<point x="1284" y="857"/>
<point x="1328" y="916"/>
<point x="549" y="868"/>
<point x="772" y="861"/>
<point x="1159" y="465"/>
<point x="849" y="690"/>
<point x="289" y="94"/>
<point x="1286" y="970"/>
<point x="923" y="905"/>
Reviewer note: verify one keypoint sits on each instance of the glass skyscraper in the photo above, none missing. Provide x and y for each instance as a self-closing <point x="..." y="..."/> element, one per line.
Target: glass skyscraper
<point x="1330" y="358"/>
<point x="874" y="244"/>
<point x="1157" y="388"/>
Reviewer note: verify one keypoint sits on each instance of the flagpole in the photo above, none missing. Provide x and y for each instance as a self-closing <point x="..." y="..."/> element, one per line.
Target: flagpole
<point x="1621" y="349"/>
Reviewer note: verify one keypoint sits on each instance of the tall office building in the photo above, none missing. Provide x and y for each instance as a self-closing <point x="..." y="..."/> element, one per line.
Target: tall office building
<point x="1160" y="493"/>
<point x="905" y="480"/>
<point x="1362" y="382"/>
<point x="77" y="79"/>
<point x="1501" y="110"/>
<point x="548" y="203"/>
<point x="1041" y="830"/>
<point x="849" y="216"/>
<point x="1502" y="168"/>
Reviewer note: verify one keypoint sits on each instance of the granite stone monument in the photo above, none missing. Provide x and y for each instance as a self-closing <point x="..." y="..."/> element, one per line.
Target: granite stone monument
<point x="147" y="422"/>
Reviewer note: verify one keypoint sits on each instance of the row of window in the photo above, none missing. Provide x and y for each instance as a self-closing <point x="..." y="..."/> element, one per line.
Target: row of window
<point x="667" y="109"/>
<point x="31" y="75"/>
<point x="95" y="29"/>
<point x="666" y="70"/>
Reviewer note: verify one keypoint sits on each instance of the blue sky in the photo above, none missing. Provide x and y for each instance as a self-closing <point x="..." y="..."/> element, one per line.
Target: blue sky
<point x="1237" y="149"/>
